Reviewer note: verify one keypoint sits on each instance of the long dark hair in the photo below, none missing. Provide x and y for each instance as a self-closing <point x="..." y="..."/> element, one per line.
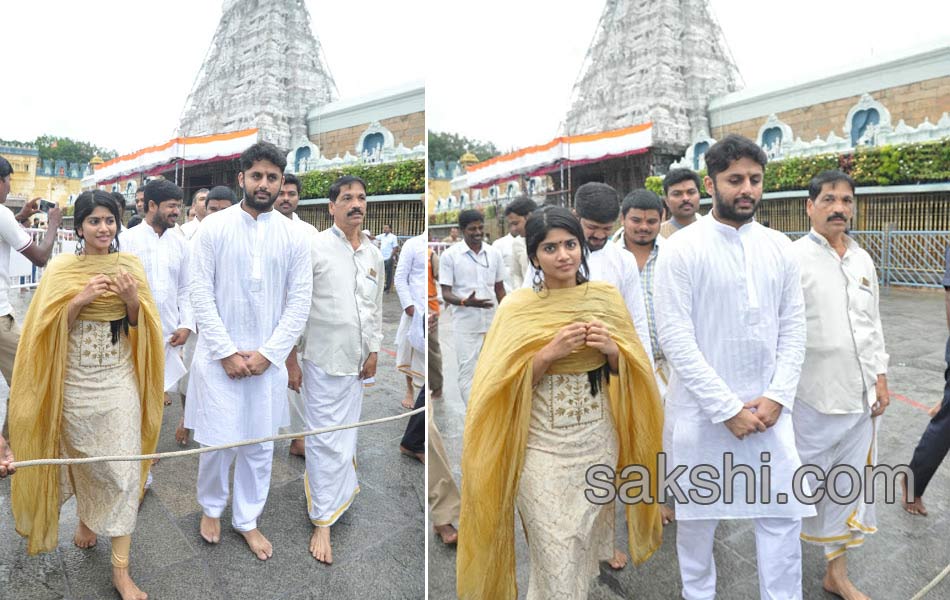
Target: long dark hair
<point x="85" y="204"/>
<point x="537" y="227"/>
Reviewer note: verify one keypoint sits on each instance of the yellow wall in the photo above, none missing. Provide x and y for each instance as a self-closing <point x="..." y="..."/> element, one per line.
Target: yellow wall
<point x="26" y="184"/>
<point x="436" y="188"/>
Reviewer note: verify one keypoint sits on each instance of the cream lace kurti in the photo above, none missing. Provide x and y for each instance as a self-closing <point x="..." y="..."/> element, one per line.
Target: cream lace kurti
<point x="101" y="417"/>
<point x="569" y="432"/>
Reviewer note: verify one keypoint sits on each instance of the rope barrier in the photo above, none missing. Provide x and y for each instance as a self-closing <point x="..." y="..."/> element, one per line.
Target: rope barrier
<point x="932" y="584"/>
<point x="180" y="453"/>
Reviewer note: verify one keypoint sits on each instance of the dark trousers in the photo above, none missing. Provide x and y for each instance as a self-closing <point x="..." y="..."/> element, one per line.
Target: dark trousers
<point x="389" y="273"/>
<point x="935" y="442"/>
<point x="414" y="440"/>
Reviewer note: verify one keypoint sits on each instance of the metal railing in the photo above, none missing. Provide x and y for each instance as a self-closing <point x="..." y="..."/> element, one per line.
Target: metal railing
<point x="904" y="258"/>
<point x="25" y="275"/>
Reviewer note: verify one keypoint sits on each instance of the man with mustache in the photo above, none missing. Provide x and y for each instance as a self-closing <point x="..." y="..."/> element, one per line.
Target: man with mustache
<point x="250" y="292"/>
<point x="287" y="202"/>
<point x="470" y="273"/>
<point x="340" y="349"/>
<point x="681" y="188"/>
<point x="843" y="386"/>
<point x="730" y="318"/>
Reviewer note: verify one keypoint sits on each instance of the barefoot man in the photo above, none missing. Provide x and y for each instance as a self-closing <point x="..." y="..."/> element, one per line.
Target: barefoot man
<point x="341" y="342"/>
<point x="250" y="289"/>
<point x="843" y="386"/>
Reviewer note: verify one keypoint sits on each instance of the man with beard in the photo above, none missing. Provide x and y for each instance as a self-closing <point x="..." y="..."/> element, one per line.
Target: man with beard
<point x="681" y="188"/>
<point x="250" y="291"/>
<point x="164" y="257"/>
<point x="287" y="202"/>
<point x="340" y="349"/>
<point x="731" y="321"/>
<point x="843" y="386"/>
<point x="470" y="273"/>
<point x="199" y="204"/>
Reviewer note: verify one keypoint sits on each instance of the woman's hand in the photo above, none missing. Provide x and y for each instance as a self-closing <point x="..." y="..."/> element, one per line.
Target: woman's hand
<point x="568" y="339"/>
<point x="125" y="287"/>
<point x="598" y="337"/>
<point x="96" y="287"/>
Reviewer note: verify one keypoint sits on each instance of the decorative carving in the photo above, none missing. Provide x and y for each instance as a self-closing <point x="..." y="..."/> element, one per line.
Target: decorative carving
<point x="866" y="121"/>
<point x="773" y="136"/>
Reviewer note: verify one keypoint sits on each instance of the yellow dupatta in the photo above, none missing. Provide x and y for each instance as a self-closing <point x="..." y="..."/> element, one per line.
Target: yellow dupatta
<point x="496" y="426"/>
<point x="36" y="396"/>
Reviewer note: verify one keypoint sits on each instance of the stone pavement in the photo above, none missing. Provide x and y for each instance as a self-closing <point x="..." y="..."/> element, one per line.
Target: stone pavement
<point x="901" y="558"/>
<point x="378" y="544"/>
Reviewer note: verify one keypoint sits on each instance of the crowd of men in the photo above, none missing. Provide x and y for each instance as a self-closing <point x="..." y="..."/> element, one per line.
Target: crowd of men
<point x="255" y="303"/>
<point x="766" y="350"/>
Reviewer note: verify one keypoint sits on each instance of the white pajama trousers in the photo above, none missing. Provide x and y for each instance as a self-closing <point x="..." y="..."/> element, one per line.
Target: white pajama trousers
<point x="330" y="480"/>
<point x="252" y="468"/>
<point x="778" y="554"/>
<point x="467" y="348"/>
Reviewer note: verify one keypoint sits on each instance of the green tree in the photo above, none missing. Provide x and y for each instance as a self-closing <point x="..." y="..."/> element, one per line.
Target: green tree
<point x="72" y="151"/>
<point x="450" y="146"/>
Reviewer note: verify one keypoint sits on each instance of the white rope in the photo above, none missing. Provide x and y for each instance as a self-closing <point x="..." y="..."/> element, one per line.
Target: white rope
<point x="932" y="584"/>
<point x="179" y="453"/>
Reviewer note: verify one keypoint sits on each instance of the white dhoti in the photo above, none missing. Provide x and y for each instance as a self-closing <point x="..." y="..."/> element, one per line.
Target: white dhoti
<point x="827" y="441"/>
<point x="778" y="555"/>
<point x="297" y="406"/>
<point x="330" y="479"/>
<point x="467" y="348"/>
<point x="252" y="468"/>
<point x="410" y="360"/>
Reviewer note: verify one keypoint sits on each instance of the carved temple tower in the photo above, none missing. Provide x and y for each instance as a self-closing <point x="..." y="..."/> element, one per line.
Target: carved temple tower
<point x="652" y="60"/>
<point x="264" y="69"/>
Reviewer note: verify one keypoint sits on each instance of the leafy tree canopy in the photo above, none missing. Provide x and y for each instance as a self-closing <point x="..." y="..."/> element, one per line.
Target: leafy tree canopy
<point x="450" y="146"/>
<point x="63" y="148"/>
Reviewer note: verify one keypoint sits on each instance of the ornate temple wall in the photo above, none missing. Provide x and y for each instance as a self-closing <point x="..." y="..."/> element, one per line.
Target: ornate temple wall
<point x="408" y="129"/>
<point x="912" y="102"/>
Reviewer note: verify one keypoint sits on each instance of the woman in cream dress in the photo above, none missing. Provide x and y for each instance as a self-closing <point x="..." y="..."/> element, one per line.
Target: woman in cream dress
<point x="562" y="384"/>
<point x="88" y="383"/>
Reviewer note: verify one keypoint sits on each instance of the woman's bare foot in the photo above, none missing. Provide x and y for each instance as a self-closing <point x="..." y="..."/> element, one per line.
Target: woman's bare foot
<point x="320" y="545"/>
<point x="619" y="560"/>
<point x="666" y="514"/>
<point x="447" y="533"/>
<point x="84" y="538"/>
<point x="181" y="434"/>
<point x="125" y="586"/>
<point x="915" y="507"/>
<point x="260" y="547"/>
<point x="297" y="447"/>
<point x="210" y="529"/>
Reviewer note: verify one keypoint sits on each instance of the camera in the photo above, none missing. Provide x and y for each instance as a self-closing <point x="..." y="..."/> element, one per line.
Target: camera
<point x="45" y="205"/>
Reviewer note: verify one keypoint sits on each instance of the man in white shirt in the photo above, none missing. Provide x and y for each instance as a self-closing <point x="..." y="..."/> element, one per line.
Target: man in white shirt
<point x="731" y="321"/>
<point x="250" y="292"/>
<point x="199" y="203"/>
<point x="340" y="350"/>
<point x="164" y="257"/>
<point x="410" y="282"/>
<point x="681" y="188"/>
<point x="12" y="235"/>
<point x="516" y="262"/>
<point x="287" y="202"/>
<point x="843" y="386"/>
<point x="470" y="273"/>
<point x="388" y="244"/>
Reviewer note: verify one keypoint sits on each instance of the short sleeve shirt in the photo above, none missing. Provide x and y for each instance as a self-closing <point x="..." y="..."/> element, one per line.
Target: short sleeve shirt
<point x="11" y="236"/>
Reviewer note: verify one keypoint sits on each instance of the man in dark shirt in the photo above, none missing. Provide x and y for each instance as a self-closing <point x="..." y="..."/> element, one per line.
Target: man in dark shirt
<point x="935" y="442"/>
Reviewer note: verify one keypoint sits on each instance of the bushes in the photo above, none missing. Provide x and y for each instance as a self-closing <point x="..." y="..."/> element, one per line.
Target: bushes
<point x="403" y="177"/>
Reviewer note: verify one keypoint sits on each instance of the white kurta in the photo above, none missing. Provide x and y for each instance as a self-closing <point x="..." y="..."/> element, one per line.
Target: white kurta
<point x="504" y="246"/>
<point x="165" y="260"/>
<point x="731" y="322"/>
<point x="617" y="267"/>
<point x="410" y="282"/>
<point x="295" y="401"/>
<point x="250" y="290"/>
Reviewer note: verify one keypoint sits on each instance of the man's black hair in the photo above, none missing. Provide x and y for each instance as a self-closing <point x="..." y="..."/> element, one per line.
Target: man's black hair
<point x="642" y="200"/>
<point x="5" y="168"/>
<point x="597" y="202"/>
<point x="469" y="216"/>
<point x="831" y="176"/>
<point x="221" y="192"/>
<point x="342" y="182"/>
<point x="521" y="206"/>
<point x="290" y="178"/>
<point x="263" y="151"/>
<point x="730" y="149"/>
<point x="679" y="176"/>
<point x="161" y="190"/>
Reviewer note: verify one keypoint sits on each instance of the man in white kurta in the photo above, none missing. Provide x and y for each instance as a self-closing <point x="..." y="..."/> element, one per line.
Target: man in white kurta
<point x="199" y="204"/>
<point x="471" y="275"/>
<point x="730" y="319"/>
<point x="504" y="247"/>
<point x="287" y="202"/>
<point x="410" y="282"/>
<point x="164" y="256"/>
<point x="341" y="345"/>
<point x="843" y="387"/>
<point x="250" y="291"/>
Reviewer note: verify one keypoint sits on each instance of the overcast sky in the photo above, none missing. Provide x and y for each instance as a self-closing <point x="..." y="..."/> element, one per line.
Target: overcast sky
<point x="117" y="72"/>
<point x="509" y="78"/>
